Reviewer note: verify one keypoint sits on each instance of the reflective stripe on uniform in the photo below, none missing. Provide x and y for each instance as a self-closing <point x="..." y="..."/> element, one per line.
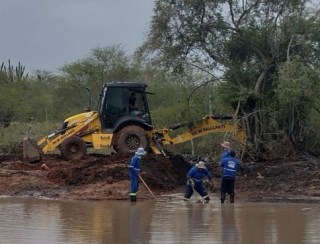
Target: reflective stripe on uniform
<point x="196" y="180"/>
<point x="232" y="170"/>
<point x="134" y="168"/>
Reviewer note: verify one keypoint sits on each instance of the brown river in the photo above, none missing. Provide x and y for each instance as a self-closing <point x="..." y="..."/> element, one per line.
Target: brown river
<point x="170" y="220"/>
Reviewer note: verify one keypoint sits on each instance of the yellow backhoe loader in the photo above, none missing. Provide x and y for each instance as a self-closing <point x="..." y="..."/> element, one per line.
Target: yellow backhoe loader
<point x="117" y="124"/>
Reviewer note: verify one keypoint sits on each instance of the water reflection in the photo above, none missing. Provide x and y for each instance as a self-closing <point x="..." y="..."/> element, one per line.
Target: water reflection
<point x="279" y="223"/>
<point x="119" y="222"/>
<point x="229" y="228"/>
<point x="107" y="222"/>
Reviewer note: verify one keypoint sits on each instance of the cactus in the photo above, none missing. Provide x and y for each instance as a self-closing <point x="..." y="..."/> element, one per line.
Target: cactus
<point x="11" y="73"/>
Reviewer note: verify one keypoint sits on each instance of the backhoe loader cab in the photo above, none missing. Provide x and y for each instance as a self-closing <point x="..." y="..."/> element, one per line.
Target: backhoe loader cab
<point x="114" y="107"/>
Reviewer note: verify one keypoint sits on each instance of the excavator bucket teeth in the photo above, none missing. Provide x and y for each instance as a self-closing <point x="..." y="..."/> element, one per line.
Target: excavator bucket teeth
<point x="31" y="151"/>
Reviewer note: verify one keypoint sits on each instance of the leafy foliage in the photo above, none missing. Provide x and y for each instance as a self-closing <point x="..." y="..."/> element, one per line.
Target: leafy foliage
<point x="102" y="65"/>
<point x="244" y="44"/>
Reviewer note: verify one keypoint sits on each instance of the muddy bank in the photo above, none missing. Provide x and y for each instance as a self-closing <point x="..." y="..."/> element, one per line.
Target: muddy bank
<point x="97" y="177"/>
<point x="93" y="177"/>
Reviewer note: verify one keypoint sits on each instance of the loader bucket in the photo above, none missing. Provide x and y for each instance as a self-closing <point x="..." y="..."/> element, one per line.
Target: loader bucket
<point x="31" y="151"/>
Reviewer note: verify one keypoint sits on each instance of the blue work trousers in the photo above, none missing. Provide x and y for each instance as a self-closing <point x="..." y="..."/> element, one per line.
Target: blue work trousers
<point x="134" y="184"/>
<point x="227" y="185"/>
<point x="198" y="187"/>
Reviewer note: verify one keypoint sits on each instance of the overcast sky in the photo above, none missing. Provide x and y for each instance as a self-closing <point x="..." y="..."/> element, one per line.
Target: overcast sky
<point x="45" y="34"/>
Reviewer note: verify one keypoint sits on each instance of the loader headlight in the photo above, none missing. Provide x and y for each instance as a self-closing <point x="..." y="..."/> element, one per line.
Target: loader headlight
<point x="51" y="135"/>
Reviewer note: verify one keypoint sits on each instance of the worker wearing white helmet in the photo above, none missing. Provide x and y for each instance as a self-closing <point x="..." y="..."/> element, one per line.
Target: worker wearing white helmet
<point x="195" y="183"/>
<point x="134" y="170"/>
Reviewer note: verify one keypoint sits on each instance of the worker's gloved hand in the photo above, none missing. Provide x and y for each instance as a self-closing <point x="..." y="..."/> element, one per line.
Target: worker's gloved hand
<point x="192" y="183"/>
<point x="206" y="183"/>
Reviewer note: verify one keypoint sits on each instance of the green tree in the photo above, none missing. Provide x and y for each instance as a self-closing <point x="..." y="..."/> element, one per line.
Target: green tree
<point x="296" y="92"/>
<point x="100" y="66"/>
<point x="240" y="45"/>
<point x="9" y="75"/>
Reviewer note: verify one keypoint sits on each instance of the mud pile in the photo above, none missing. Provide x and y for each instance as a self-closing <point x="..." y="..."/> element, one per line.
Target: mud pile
<point x="93" y="177"/>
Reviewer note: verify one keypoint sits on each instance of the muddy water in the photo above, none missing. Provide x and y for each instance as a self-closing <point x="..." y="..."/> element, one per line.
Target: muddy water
<point x="167" y="221"/>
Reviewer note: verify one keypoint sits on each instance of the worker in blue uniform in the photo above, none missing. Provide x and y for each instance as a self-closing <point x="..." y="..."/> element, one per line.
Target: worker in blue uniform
<point x="195" y="178"/>
<point x="230" y="166"/>
<point x="134" y="170"/>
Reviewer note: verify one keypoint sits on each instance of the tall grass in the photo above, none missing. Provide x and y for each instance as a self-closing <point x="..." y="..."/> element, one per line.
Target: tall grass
<point x="12" y="136"/>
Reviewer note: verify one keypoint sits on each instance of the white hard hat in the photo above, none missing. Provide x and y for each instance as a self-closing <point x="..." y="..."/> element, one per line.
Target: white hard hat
<point x="201" y="165"/>
<point x="141" y="151"/>
<point x="226" y="144"/>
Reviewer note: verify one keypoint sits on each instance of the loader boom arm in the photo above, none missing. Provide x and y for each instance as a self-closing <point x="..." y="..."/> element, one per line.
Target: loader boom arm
<point x="206" y="125"/>
<point x="75" y="127"/>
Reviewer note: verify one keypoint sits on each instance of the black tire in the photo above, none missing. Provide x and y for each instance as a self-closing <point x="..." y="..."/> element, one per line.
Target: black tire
<point x="129" y="139"/>
<point x="73" y="148"/>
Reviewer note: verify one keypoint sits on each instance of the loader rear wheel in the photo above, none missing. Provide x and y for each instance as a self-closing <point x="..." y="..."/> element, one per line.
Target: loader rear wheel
<point x="130" y="138"/>
<point x="73" y="148"/>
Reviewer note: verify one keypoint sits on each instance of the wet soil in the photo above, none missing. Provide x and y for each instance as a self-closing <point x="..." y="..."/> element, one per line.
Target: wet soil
<point x="98" y="177"/>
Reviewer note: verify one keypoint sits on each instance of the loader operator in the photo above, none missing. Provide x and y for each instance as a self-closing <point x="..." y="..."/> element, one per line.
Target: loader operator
<point x="132" y="105"/>
<point x="194" y="181"/>
<point x="134" y="170"/>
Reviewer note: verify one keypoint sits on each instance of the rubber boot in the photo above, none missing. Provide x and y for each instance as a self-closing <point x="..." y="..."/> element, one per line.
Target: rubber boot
<point x="133" y="198"/>
<point x="232" y="198"/>
<point x="223" y="197"/>
<point x="206" y="199"/>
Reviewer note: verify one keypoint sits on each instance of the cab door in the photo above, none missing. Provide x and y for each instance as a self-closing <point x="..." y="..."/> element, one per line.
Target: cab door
<point x="114" y="107"/>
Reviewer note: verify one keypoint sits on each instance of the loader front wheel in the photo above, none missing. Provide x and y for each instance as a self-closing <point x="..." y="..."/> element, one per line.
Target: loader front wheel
<point x="73" y="148"/>
<point x="130" y="138"/>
